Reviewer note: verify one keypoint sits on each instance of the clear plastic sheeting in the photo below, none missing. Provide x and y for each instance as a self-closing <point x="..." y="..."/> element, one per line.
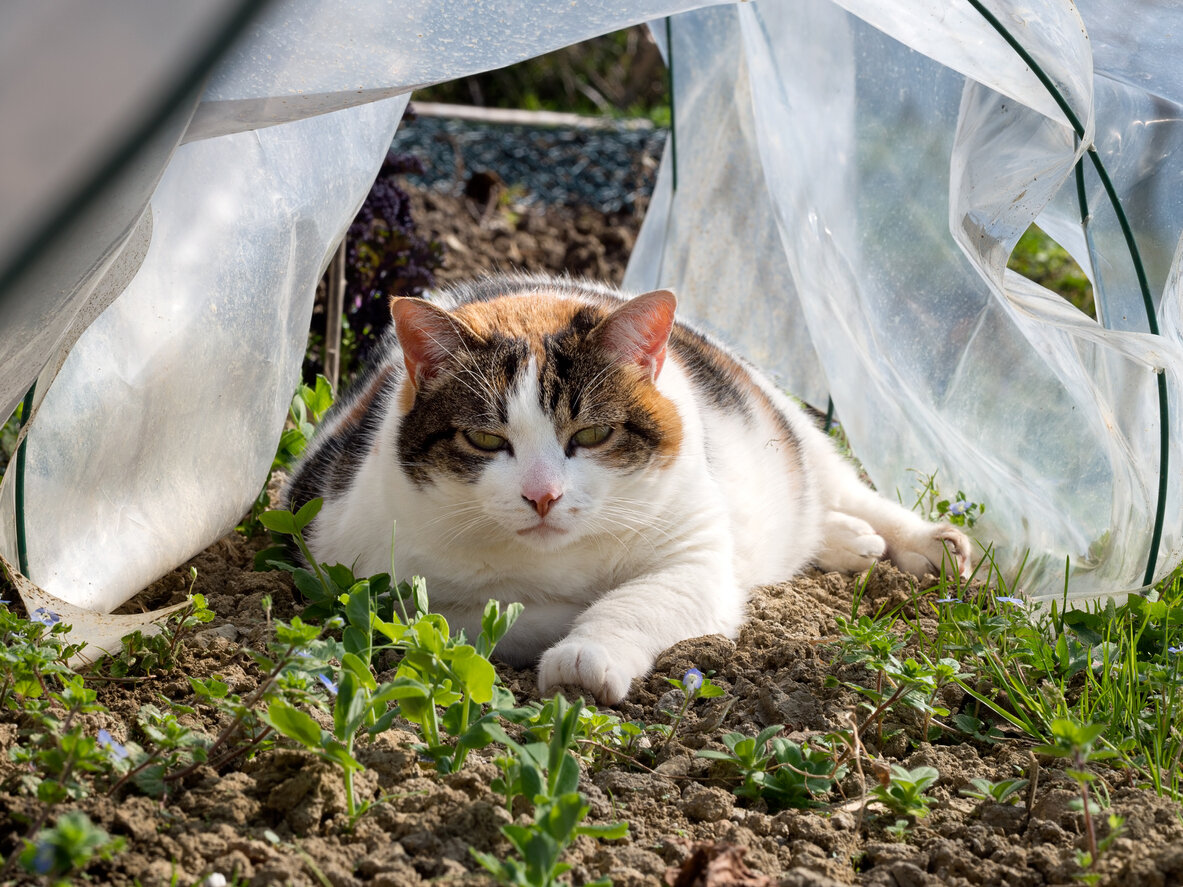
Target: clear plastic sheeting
<point x="305" y="57"/>
<point x="196" y="357"/>
<point x="900" y="187"/>
<point x="851" y="178"/>
<point x="726" y="266"/>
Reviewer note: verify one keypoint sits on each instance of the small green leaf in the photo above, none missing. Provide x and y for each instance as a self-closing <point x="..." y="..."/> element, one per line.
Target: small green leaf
<point x="280" y="520"/>
<point x="339" y="754"/>
<point x="356" y="641"/>
<point x="419" y="594"/>
<point x="307" y="512"/>
<point x="360" y="670"/>
<point x="476" y="672"/>
<point x="613" y="832"/>
<point x="274" y="557"/>
<point x="340" y="575"/>
<point x="567" y="780"/>
<point x="50" y="792"/>
<point x="293" y="723"/>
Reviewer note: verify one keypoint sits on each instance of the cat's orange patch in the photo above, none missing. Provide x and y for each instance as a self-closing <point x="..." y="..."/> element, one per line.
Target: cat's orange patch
<point x="665" y="414"/>
<point x="526" y="316"/>
<point x="406" y="396"/>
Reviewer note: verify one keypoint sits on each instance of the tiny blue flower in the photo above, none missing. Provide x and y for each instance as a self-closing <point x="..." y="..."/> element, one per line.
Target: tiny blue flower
<point x="43" y="861"/>
<point x="691" y="681"/>
<point x="329" y="685"/>
<point x="1175" y="650"/>
<point x="45" y="617"/>
<point x="1010" y="600"/>
<point x="961" y="506"/>
<point x="948" y="600"/>
<point x="117" y="749"/>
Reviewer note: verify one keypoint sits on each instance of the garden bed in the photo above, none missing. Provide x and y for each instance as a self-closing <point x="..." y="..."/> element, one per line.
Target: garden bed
<point x="279" y="815"/>
<point x="280" y="818"/>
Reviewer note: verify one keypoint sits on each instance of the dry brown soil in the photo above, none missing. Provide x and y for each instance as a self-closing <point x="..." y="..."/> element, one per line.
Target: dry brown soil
<point x="279" y="818"/>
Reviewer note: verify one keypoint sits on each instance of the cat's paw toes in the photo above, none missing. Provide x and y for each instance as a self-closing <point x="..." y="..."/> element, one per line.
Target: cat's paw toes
<point x="608" y="674"/>
<point x="925" y="550"/>
<point x="849" y="544"/>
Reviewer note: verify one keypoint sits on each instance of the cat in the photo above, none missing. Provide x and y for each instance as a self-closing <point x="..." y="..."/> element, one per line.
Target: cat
<point x="625" y="477"/>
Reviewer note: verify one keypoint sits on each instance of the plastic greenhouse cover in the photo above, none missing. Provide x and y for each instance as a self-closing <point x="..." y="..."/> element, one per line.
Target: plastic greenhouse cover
<point x="851" y="178"/>
<point x="940" y="360"/>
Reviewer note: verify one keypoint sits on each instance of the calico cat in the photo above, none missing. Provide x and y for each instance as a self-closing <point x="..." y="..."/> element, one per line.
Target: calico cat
<point x="623" y="476"/>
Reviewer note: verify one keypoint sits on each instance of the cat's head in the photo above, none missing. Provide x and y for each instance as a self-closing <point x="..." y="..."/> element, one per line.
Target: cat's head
<point x="533" y="417"/>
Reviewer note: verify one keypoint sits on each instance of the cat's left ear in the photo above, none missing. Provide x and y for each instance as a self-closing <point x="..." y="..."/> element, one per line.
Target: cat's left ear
<point x="639" y="330"/>
<point x="427" y="335"/>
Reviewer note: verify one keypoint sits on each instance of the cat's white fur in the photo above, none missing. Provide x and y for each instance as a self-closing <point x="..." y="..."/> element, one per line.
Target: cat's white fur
<point x="647" y="559"/>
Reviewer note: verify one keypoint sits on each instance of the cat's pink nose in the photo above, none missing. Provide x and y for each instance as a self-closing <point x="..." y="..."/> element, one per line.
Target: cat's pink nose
<point x="544" y="501"/>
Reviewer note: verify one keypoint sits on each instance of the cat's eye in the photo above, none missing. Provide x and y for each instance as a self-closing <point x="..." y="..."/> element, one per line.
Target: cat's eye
<point x="592" y="436"/>
<point x="485" y="440"/>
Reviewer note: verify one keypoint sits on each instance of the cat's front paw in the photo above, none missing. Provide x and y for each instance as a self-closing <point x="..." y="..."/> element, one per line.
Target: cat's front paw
<point x="849" y="544"/>
<point x="926" y="548"/>
<point x="606" y="672"/>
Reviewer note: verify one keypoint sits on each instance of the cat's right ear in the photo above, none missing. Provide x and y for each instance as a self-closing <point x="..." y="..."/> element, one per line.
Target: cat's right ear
<point x="639" y="330"/>
<point x="427" y="335"/>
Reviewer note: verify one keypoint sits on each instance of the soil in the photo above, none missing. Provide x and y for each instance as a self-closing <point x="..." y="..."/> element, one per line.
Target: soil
<point x="279" y="817"/>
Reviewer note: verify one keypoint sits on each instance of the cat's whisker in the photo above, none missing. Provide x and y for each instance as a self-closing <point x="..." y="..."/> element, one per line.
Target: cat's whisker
<point x="643" y="517"/>
<point x="471" y="368"/>
<point x="454" y="373"/>
<point x="637" y="529"/>
<point x="463" y="528"/>
<point x="601" y="530"/>
<point x="468" y="512"/>
<point x="492" y="395"/>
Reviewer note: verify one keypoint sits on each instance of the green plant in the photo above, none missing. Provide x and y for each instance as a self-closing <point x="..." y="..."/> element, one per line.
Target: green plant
<point x="33" y="657"/>
<point x="547" y="775"/>
<point x="144" y="655"/>
<point x="437" y="670"/>
<point x="694" y="685"/>
<point x="782" y="772"/>
<point x="1076" y="742"/>
<point x="172" y="747"/>
<point x="958" y="510"/>
<point x="1001" y="792"/>
<point x="899" y="830"/>
<point x="356" y="702"/>
<point x="914" y="682"/>
<point x="309" y="405"/>
<point x="67" y="847"/>
<point x="54" y="756"/>
<point x="902" y="790"/>
<point x="174" y="751"/>
<point x="600" y="737"/>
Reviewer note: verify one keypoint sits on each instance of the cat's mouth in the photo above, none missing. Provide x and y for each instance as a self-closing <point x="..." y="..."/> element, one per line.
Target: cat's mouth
<point x="542" y="530"/>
